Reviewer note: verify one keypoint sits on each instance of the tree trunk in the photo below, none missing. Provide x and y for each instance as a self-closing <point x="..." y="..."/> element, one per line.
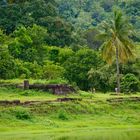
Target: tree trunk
<point x="118" y="70"/>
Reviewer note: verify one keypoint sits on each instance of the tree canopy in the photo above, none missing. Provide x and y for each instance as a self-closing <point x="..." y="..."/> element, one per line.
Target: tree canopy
<point x="49" y="39"/>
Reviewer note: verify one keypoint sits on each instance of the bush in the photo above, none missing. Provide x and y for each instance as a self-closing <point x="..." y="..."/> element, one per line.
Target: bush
<point x="52" y="71"/>
<point x="130" y="83"/>
<point x="62" y="115"/>
<point x="21" y="113"/>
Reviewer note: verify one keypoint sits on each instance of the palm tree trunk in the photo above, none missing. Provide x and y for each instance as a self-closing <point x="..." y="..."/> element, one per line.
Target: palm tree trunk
<point x="118" y="70"/>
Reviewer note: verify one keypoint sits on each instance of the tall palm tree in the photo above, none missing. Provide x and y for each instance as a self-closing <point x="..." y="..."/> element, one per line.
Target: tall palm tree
<point x="118" y="44"/>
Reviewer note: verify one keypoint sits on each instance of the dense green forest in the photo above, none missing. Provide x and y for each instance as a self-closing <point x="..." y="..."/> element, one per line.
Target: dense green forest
<point x="58" y="40"/>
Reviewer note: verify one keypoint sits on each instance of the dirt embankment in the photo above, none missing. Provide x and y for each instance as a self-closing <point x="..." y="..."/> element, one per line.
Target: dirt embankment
<point x="123" y="99"/>
<point x="18" y="102"/>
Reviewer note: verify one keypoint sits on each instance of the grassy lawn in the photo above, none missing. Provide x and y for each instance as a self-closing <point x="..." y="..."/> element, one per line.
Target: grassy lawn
<point x="94" y="112"/>
<point x="19" y="94"/>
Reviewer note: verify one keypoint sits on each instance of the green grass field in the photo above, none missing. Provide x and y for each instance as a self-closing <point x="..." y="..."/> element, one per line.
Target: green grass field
<point x="93" y="113"/>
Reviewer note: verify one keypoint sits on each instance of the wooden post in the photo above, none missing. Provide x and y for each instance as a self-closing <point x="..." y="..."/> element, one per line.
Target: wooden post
<point x="26" y="84"/>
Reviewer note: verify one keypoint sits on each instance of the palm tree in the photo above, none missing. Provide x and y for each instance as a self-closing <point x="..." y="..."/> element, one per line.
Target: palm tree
<point x="118" y="44"/>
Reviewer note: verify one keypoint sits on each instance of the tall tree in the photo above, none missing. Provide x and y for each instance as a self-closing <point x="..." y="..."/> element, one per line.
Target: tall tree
<point x="27" y="44"/>
<point x="117" y="44"/>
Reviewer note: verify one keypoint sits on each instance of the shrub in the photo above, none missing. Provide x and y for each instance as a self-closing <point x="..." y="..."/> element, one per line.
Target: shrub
<point x="62" y="115"/>
<point x="129" y="83"/>
<point x="21" y="113"/>
<point x="52" y="71"/>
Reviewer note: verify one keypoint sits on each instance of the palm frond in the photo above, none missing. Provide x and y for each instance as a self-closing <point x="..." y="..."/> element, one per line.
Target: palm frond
<point x="102" y="36"/>
<point x="117" y="33"/>
<point x="125" y="49"/>
<point x="108" y="51"/>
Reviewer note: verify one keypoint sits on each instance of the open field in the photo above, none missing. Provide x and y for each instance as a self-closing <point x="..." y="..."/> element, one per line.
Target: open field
<point x="51" y="119"/>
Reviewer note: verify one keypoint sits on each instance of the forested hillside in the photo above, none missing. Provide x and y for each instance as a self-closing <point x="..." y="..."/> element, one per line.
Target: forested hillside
<point x="88" y="13"/>
<point x="57" y="40"/>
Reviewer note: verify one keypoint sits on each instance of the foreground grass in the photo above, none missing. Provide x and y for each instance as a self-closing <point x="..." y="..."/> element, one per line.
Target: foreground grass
<point x="92" y="113"/>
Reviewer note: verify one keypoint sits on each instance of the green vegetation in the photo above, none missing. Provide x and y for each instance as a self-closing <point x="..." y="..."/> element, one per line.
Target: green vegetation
<point x="51" y="40"/>
<point x="92" y="113"/>
<point x="117" y="41"/>
<point x="92" y="45"/>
